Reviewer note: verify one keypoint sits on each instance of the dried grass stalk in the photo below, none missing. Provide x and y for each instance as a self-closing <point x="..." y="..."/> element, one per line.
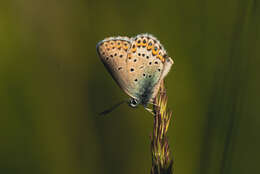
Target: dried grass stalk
<point x="161" y="156"/>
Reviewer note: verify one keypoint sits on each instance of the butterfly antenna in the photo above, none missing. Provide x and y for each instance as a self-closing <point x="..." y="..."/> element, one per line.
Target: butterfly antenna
<point x="112" y="108"/>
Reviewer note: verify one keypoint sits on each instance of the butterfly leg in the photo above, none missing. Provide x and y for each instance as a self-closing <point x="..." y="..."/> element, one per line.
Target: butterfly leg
<point x="150" y="110"/>
<point x="154" y="104"/>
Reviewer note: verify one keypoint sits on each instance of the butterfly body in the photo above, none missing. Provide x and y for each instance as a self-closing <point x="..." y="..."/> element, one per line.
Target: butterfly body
<point x="138" y="65"/>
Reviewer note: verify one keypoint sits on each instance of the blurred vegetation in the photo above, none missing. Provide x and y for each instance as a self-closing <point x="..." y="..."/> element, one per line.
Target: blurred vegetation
<point x="52" y="85"/>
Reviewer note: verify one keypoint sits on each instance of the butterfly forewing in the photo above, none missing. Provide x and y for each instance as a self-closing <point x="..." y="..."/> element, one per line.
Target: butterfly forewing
<point x="113" y="53"/>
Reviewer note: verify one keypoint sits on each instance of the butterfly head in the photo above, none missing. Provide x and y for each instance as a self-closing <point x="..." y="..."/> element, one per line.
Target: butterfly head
<point x="133" y="102"/>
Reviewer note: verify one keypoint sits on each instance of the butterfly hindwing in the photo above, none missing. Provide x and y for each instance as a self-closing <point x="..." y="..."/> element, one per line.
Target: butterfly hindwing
<point x="144" y="66"/>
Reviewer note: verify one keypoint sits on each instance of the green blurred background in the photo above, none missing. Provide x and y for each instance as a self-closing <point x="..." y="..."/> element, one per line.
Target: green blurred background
<point x="52" y="85"/>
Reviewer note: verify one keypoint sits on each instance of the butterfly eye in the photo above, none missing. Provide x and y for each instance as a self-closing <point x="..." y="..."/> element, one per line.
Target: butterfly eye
<point x="133" y="102"/>
<point x="150" y="45"/>
<point x="144" y="42"/>
<point x="155" y="49"/>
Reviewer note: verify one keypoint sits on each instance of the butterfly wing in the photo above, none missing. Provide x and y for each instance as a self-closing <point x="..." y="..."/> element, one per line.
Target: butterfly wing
<point x="138" y="65"/>
<point x="113" y="53"/>
<point x="146" y="65"/>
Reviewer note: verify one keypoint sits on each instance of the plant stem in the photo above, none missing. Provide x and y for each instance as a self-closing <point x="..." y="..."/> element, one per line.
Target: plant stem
<point x="161" y="157"/>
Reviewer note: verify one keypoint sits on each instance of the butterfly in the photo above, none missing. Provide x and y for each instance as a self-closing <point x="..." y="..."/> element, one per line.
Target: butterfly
<point x="138" y="65"/>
